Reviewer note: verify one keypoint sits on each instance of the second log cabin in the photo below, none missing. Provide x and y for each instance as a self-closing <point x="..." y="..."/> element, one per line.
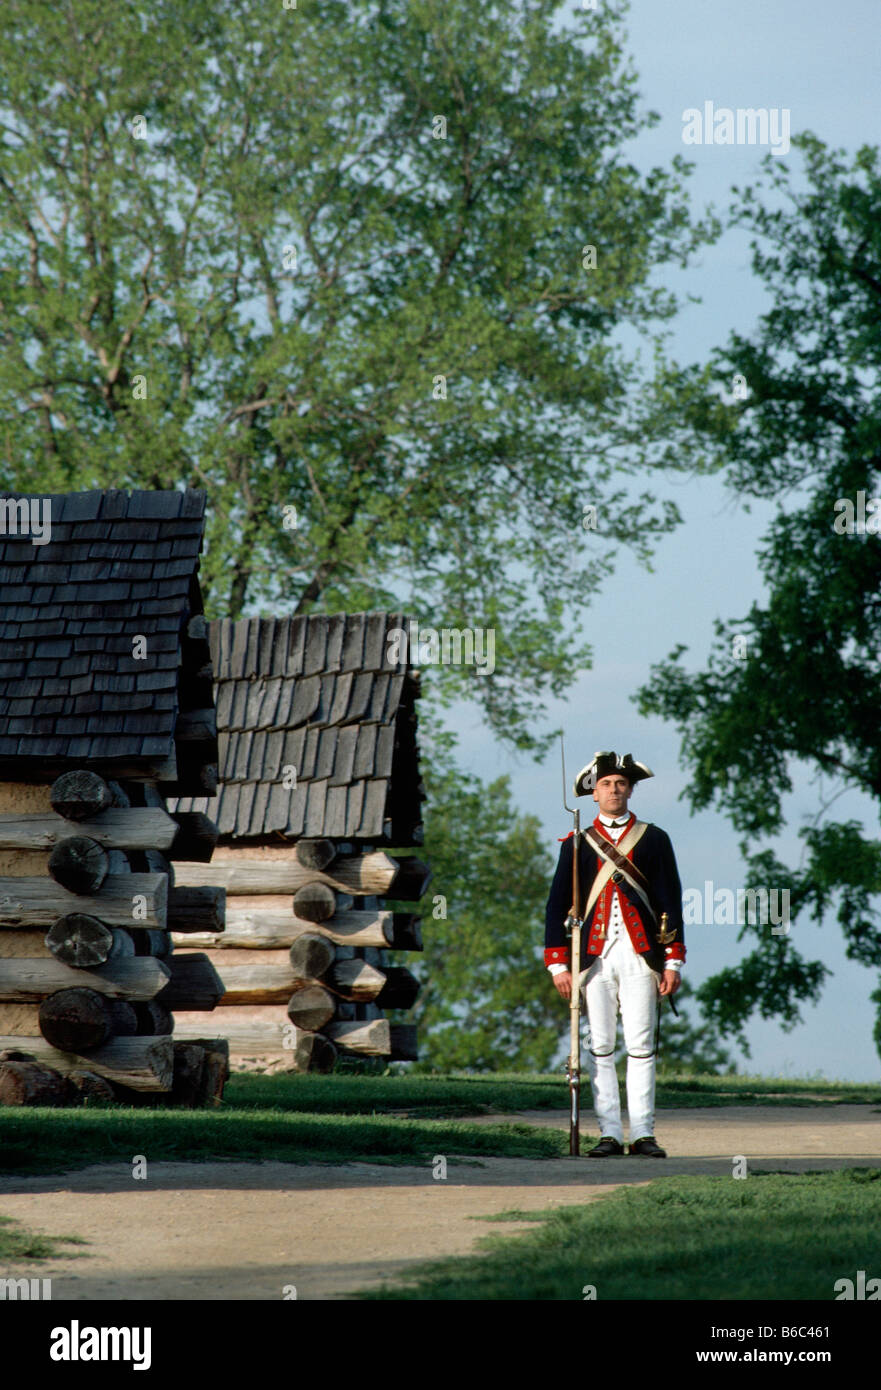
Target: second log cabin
<point x="318" y="786"/>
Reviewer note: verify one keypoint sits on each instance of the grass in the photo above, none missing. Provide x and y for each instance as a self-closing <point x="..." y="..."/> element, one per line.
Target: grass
<point x="769" y="1236"/>
<point x="16" y="1243"/>
<point x="43" y="1140"/>
<point x="344" y="1118"/>
<point x="686" y="1091"/>
<point x="460" y="1094"/>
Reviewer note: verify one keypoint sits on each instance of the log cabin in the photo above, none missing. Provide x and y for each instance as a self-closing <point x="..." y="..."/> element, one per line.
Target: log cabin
<point x="318" y="784"/>
<point x="106" y="708"/>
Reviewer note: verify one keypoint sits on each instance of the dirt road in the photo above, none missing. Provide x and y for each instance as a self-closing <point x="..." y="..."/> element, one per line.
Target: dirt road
<point x="257" y="1230"/>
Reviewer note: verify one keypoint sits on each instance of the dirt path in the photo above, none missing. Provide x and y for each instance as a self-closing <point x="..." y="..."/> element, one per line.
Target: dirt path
<point x="251" y="1230"/>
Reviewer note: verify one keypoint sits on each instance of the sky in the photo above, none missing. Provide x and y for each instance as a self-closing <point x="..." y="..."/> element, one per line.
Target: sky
<point x="823" y="63"/>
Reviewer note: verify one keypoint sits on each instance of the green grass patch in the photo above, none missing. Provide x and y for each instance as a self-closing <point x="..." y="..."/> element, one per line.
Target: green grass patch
<point x="457" y="1094"/>
<point x="350" y="1118"/>
<point x="448" y="1096"/>
<point x="16" y="1243"/>
<point x="768" y="1236"/>
<point x="43" y="1140"/>
<point x="675" y="1091"/>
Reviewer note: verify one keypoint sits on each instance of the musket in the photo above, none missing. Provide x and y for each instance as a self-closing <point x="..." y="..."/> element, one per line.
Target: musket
<point x="574" y="924"/>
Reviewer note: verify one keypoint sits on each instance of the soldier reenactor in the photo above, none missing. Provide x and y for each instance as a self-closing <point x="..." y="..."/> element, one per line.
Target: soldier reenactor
<point x="632" y="946"/>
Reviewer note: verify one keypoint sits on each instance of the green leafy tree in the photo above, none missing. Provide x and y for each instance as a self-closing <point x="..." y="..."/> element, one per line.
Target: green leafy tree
<point x="798" y="680"/>
<point x="361" y="271"/>
<point x="691" y="1047"/>
<point x="486" y="1003"/>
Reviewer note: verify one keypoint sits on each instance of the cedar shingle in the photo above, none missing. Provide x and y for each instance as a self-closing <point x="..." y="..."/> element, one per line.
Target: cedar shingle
<point x="361" y="696"/>
<point x="327" y="740"/>
<point x="353" y="643"/>
<point x="385" y="747"/>
<point x="266" y="642"/>
<point x="373" y="813"/>
<point x="344" y="762"/>
<point x="245" y="806"/>
<point x="354" y="807"/>
<point x="285" y="701"/>
<point x="340" y="705"/>
<point x="276" y="817"/>
<point x="297" y="809"/>
<point x="334" y="822"/>
<point x="374" y="642"/>
<point x="316" y="645"/>
<point x="365" y="751"/>
<point x="336" y="631"/>
<point x="313" y="823"/>
<point x="296" y="645"/>
<point x="306" y="696"/>
<point x="299" y="751"/>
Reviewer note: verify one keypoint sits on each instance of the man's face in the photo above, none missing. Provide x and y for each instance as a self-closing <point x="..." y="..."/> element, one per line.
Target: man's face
<point x="612" y="794"/>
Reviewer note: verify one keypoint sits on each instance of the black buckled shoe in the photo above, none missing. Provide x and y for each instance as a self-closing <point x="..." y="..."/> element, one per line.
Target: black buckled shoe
<point x="648" y="1147"/>
<point x="606" y="1148"/>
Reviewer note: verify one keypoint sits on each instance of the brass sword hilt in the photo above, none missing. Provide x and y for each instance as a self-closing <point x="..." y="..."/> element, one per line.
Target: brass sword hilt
<point x="665" y="936"/>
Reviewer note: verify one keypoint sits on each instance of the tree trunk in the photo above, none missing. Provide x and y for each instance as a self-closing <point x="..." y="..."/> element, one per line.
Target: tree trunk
<point x="135" y="829"/>
<point x="31" y="981"/>
<point x="80" y="940"/>
<point x="153" y="1019"/>
<point x="79" y="864"/>
<point x="193" y="983"/>
<point x="30" y="1083"/>
<point x="358" y="873"/>
<point x="196" y="909"/>
<point x="366" y="1039"/>
<point x="315" y="854"/>
<point x="142" y="1063"/>
<point x="311" y="955"/>
<point x="355" y="979"/>
<point x="123" y="1019"/>
<point x="79" y="795"/>
<point x="37" y="902"/>
<point x="311" y="1008"/>
<point x="403" y="1044"/>
<point x="76" y="1020"/>
<point x="401" y="989"/>
<point x="274" y="926"/>
<point x="91" y="1088"/>
<point x="315" y="902"/>
<point x="196" y="837"/>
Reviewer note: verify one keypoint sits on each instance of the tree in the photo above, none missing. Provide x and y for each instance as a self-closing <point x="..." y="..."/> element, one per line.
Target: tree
<point x="690" y="1047"/>
<point x="799" y="679"/>
<point x="487" y="1003"/>
<point x="358" y="271"/>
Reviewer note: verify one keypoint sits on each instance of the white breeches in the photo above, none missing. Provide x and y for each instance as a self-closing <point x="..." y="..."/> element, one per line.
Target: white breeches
<point x="622" y="979"/>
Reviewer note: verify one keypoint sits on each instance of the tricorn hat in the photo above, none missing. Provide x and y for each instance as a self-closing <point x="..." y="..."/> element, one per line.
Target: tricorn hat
<point x="606" y="765"/>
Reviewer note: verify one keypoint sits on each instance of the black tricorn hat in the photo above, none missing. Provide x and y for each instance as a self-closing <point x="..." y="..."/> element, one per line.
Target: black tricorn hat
<point x="606" y="765"/>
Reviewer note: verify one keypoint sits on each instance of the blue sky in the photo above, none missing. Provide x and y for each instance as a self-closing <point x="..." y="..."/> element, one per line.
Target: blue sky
<point x="823" y="63"/>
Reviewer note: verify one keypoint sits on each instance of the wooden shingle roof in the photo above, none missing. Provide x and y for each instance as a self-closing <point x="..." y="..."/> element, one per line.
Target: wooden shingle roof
<point x="316" y="731"/>
<point x="73" y="691"/>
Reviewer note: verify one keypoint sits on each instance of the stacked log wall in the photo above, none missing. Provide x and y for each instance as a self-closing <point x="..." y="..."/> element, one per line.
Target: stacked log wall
<point x="87" y="975"/>
<point x="304" y="955"/>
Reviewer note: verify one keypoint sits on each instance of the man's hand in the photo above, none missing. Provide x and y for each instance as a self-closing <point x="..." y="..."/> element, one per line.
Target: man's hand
<point x="563" y="983"/>
<point x="670" y="982"/>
